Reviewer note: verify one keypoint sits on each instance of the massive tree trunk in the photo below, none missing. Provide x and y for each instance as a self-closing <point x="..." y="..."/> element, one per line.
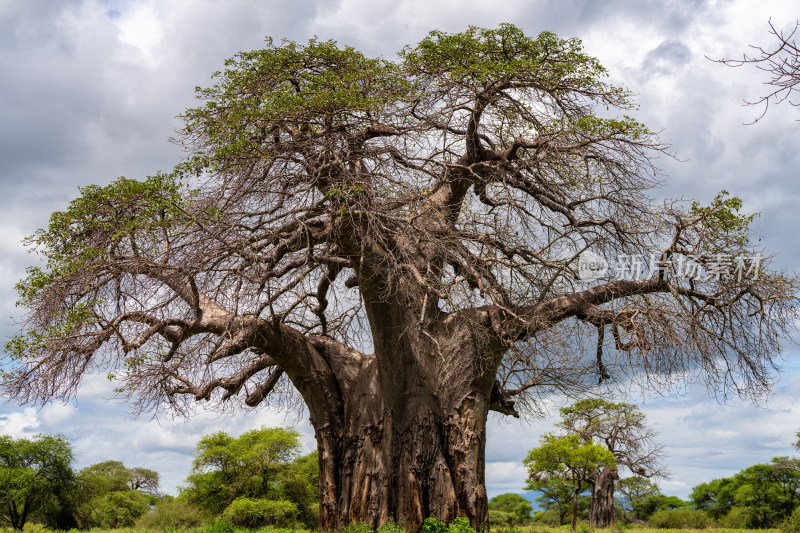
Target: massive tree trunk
<point x="430" y="464"/>
<point x="405" y="438"/>
<point x="601" y="511"/>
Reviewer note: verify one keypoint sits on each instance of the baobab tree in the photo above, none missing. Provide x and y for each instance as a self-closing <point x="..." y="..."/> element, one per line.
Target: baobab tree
<point x="403" y="244"/>
<point x="621" y="428"/>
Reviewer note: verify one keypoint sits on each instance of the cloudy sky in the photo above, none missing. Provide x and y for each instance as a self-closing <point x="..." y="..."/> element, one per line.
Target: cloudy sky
<point x="90" y="89"/>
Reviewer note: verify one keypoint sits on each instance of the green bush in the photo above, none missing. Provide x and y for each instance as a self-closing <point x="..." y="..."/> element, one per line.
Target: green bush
<point x="220" y="526"/>
<point x="583" y="527"/>
<point x="432" y="525"/>
<point x="172" y="514"/>
<point x="792" y="524"/>
<point x="679" y="519"/>
<point x="459" y="525"/>
<point x="548" y="518"/>
<point x="114" y="509"/>
<point x="735" y="519"/>
<point x="499" y="518"/>
<point x="390" y="527"/>
<point x="356" y="527"/>
<point x="257" y="512"/>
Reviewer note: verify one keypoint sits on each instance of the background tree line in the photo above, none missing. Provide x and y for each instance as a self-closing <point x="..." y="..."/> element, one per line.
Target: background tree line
<point x="576" y="472"/>
<point x="257" y="479"/>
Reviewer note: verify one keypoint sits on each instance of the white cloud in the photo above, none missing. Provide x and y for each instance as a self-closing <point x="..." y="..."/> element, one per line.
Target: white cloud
<point x="19" y="424"/>
<point x="141" y="29"/>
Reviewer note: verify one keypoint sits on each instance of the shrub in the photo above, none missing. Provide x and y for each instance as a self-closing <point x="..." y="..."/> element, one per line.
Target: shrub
<point x="390" y="527"/>
<point x="356" y="527"/>
<point x="583" y="527"/>
<point x="256" y="512"/>
<point x="220" y="526"/>
<point x="459" y="525"/>
<point x="679" y="519"/>
<point x="432" y="525"/>
<point x="548" y="518"/>
<point x="792" y="524"/>
<point x="172" y="514"/>
<point x="499" y="518"/>
<point x="114" y="509"/>
<point x="735" y="519"/>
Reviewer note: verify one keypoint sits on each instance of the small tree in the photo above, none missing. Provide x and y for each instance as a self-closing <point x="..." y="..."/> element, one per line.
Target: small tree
<point x="640" y="498"/>
<point x="569" y="460"/>
<point x="555" y="495"/>
<point x="516" y="508"/>
<point x="716" y="497"/>
<point x="111" y="495"/>
<point x="622" y="428"/>
<point x="32" y="473"/>
<point x="238" y="476"/>
<point x="144" y="480"/>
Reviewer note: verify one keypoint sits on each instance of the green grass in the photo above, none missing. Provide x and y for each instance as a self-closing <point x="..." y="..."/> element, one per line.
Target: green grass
<point x="37" y="528"/>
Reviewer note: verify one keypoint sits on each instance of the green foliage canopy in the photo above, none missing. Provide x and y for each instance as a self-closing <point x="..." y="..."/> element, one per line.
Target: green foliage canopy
<point x="567" y="459"/>
<point x="234" y="477"/>
<point x="510" y="509"/>
<point x="761" y="496"/>
<point x="111" y="495"/>
<point x="33" y="473"/>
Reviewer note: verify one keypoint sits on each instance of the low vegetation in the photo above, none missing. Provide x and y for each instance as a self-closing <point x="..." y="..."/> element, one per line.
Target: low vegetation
<point x="259" y="482"/>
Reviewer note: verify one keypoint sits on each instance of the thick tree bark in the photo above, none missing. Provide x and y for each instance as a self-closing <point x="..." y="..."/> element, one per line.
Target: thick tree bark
<point x="376" y="470"/>
<point x="601" y="511"/>
<point x="405" y="440"/>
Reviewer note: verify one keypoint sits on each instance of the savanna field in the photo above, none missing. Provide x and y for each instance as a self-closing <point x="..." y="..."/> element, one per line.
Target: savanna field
<point x="225" y="527"/>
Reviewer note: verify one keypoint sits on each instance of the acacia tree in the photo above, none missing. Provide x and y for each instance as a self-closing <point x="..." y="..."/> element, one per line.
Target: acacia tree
<point x="144" y="480"/>
<point x="621" y="428"/>
<point x="398" y="242"/>
<point x="567" y="460"/>
<point x="33" y="473"/>
<point x="254" y="465"/>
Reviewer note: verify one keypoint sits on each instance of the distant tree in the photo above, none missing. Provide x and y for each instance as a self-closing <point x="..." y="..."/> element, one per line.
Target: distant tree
<point x="569" y="460"/>
<point x="109" y="494"/>
<point x="622" y="428"/>
<point x="716" y="497"/>
<point x="145" y="480"/>
<point x="633" y="493"/>
<point x="762" y="495"/>
<point x="639" y="498"/>
<point x="517" y="508"/>
<point x="555" y="495"/>
<point x="781" y="61"/>
<point x="258" y="466"/>
<point x="107" y="476"/>
<point x="172" y="513"/>
<point x="33" y="472"/>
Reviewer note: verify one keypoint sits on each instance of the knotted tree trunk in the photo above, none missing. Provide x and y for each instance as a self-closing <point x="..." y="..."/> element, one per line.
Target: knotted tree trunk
<point x="402" y="436"/>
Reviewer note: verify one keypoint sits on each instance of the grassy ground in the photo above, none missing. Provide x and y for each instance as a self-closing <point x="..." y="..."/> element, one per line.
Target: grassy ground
<point x="36" y="528"/>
